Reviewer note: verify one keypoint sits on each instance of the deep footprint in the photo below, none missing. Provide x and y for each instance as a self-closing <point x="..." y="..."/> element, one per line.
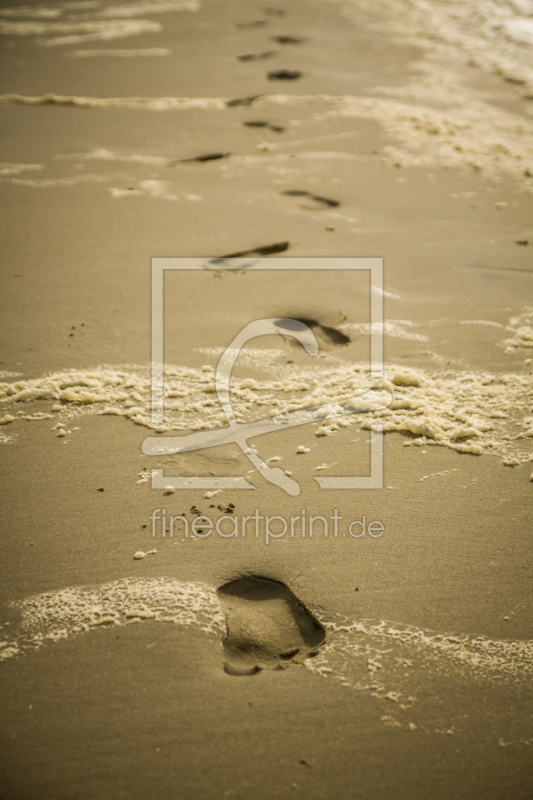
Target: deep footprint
<point x="287" y="40"/>
<point x="267" y="626"/>
<point x="242" y="101"/>
<point x="324" y="325"/>
<point x="265" y="250"/>
<point x="284" y="75"/>
<point x="257" y="56"/>
<point x="200" y="159"/>
<point x="261" y="124"/>
<point x="258" y="23"/>
<point x="321" y="201"/>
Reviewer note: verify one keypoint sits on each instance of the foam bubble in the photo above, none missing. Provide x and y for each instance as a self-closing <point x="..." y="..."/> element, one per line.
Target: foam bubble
<point x="521" y="327"/>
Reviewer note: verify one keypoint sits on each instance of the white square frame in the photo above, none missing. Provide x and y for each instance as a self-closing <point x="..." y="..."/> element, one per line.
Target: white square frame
<point x="372" y="264"/>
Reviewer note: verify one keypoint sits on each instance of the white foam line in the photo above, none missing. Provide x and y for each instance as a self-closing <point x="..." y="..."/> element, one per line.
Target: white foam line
<point x="142" y="103"/>
<point x="80" y="31"/>
<point x="101" y="154"/>
<point x="298" y="142"/>
<point x="8" y="168"/>
<point x="45" y="183"/>
<point x="123" y="10"/>
<point x="29" y="11"/>
<point x="54" y="616"/>
<point x="150" y="7"/>
<point x="350" y="640"/>
<point x="479" y="33"/>
<point x="151" y="52"/>
<point x="466" y="411"/>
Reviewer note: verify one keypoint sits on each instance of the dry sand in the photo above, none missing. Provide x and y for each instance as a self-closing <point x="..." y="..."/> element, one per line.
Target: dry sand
<point x="323" y="667"/>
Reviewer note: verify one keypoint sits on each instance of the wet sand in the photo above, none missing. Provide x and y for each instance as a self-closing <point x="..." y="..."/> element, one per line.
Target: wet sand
<point x="406" y="670"/>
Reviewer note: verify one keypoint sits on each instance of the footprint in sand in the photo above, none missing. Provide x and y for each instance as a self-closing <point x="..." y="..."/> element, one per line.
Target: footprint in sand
<point x="284" y="75"/>
<point x="200" y="159"/>
<point x="242" y="101"/>
<point x="287" y="39"/>
<point x="323" y="324"/>
<point x="259" y="123"/>
<point x="257" y="56"/>
<point x="320" y="202"/>
<point x="267" y="626"/>
<point x="326" y="335"/>
<point x="258" y="23"/>
<point x="265" y="250"/>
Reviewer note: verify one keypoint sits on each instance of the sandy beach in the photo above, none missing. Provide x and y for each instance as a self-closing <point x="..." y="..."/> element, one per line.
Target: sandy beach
<point x="165" y="634"/>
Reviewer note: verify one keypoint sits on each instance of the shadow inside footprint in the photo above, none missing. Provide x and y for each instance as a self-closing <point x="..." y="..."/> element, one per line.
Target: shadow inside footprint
<point x="265" y="250"/>
<point x="242" y="101"/>
<point x="287" y="40"/>
<point x="258" y="23"/>
<point x="326" y="336"/>
<point x="200" y="159"/>
<point x="261" y="124"/>
<point x="320" y="202"/>
<point x="267" y="626"/>
<point x="257" y="56"/>
<point x="284" y="75"/>
<point x="325" y="325"/>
